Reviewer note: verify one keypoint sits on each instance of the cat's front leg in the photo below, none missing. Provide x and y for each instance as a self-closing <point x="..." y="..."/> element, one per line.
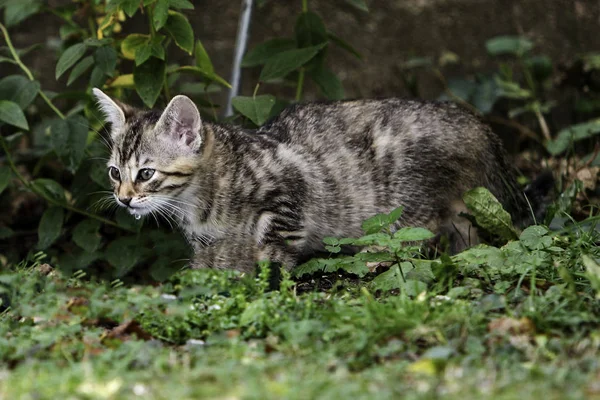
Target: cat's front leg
<point x="226" y="254"/>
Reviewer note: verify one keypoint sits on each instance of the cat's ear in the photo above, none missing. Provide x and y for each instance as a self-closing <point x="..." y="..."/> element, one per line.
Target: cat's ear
<point x="181" y="122"/>
<point x="111" y="110"/>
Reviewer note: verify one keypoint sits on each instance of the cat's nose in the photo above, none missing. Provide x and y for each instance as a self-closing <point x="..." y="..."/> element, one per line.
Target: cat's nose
<point x="125" y="200"/>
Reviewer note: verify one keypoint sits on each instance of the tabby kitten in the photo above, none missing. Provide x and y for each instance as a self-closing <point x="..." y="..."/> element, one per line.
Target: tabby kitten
<point x="316" y="170"/>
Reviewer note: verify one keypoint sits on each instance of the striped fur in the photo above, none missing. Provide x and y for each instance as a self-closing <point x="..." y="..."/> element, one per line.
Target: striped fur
<point x="317" y="170"/>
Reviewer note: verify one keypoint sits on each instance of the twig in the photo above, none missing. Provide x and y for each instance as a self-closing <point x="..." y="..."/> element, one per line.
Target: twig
<point x="241" y="41"/>
<point x="50" y="200"/>
<point x="543" y="124"/>
<point x="300" y="85"/>
<point x="17" y="59"/>
<point x="438" y="74"/>
<point x="523" y="130"/>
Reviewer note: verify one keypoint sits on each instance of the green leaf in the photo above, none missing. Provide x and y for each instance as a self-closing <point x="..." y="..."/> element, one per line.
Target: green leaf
<point x="79" y="69"/>
<point x="328" y="83"/>
<point x="124" y="253"/>
<point x="156" y="46"/>
<point x="11" y="114"/>
<point x="308" y="268"/>
<point x="93" y="42"/>
<point x="540" y="67"/>
<point x="390" y="279"/>
<point x="97" y="78"/>
<point x="350" y="264"/>
<point x="19" y="89"/>
<point x="535" y="238"/>
<point x="76" y="141"/>
<point x="149" y="78"/>
<point x="50" y="227"/>
<point x="142" y="54"/>
<point x="125" y="220"/>
<point x="77" y="260"/>
<point x="408" y="234"/>
<point x="261" y="53"/>
<point x="377" y="239"/>
<point x="592" y="272"/>
<point x="86" y="235"/>
<point x="310" y="30"/>
<point x="69" y="58"/>
<point x="485" y="95"/>
<point x="475" y="257"/>
<point x="512" y="90"/>
<point x="573" y="134"/>
<point x="489" y="214"/>
<point x="181" y="4"/>
<point x="512" y="45"/>
<point x="197" y="71"/>
<point x="256" y="109"/>
<point x="359" y="4"/>
<point x="202" y="59"/>
<point x="375" y="224"/>
<point x="283" y="63"/>
<point x="440" y="353"/>
<point x="181" y="31"/>
<point x="151" y="47"/>
<point x="8" y="60"/>
<point x="344" y="45"/>
<point x="16" y="11"/>
<point x="5" y="175"/>
<point x="50" y="189"/>
<point x="161" y="13"/>
<point x="132" y="43"/>
<point x="254" y="312"/>
<point x="6" y="232"/>
<point x="395" y="214"/>
<point x="106" y="59"/>
<point x="130" y="6"/>
<point x="59" y="135"/>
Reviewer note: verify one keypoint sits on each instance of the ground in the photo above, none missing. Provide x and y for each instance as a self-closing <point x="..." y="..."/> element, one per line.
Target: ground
<point x="516" y="321"/>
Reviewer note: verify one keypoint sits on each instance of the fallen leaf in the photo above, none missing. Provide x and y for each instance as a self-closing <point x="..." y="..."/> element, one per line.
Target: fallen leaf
<point x="125" y="330"/>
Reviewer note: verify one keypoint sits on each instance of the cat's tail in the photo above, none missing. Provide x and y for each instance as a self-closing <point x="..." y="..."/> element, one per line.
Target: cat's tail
<point x="538" y="195"/>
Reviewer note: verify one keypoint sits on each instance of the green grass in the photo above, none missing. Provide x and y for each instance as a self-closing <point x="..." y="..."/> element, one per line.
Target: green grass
<point x="519" y="321"/>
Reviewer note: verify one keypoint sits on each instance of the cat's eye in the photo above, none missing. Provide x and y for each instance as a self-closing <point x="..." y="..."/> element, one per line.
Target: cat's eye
<point x="145" y="174"/>
<point x="114" y="173"/>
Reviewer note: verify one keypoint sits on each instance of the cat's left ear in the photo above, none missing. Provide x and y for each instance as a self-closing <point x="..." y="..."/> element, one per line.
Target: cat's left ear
<point x="181" y="122"/>
<point x="114" y="113"/>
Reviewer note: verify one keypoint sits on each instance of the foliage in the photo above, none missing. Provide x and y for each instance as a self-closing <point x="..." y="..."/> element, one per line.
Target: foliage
<point x="487" y="322"/>
<point x="511" y="320"/>
<point x="97" y="53"/>
<point x="524" y="88"/>
<point x="94" y="55"/>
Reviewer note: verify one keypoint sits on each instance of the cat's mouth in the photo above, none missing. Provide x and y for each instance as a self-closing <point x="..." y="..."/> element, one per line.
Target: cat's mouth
<point x="138" y="212"/>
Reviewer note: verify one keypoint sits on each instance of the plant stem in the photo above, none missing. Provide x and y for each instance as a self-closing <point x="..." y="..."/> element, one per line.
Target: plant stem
<point x="52" y="106"/>
<point x="13" y="52"/>
<point x="543" y="124"/>
<point x="300" y="85"/>
<point x="256" y="89"/>
<point x="149" y="13"/>
<point x="11" y="163"/>
<point x="50" y="200"/>
<point x="17" y="59"/>
<point x="304" y="6"/>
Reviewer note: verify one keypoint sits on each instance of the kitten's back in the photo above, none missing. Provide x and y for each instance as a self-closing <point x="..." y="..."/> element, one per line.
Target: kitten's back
<point x="385" y="153"/>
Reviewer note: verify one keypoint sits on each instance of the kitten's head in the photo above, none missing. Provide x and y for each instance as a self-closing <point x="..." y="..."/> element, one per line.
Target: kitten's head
<point x="154" y="154"/>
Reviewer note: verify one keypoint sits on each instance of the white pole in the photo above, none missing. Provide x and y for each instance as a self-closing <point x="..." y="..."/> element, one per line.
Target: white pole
<point x="241" y="42"/>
